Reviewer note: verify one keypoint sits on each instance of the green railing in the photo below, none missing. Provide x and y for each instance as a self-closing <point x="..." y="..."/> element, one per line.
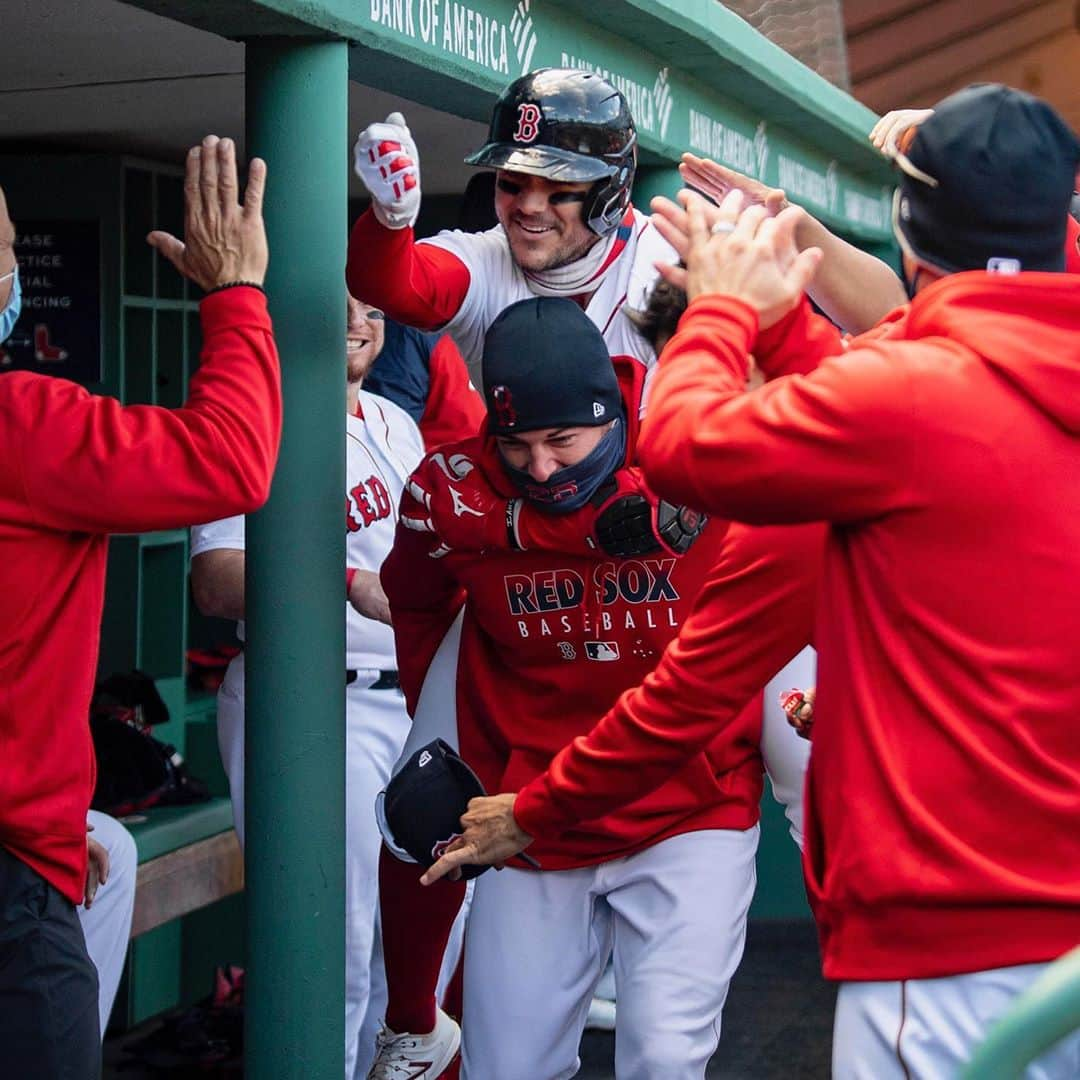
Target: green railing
<point x="1041" y="1017"/>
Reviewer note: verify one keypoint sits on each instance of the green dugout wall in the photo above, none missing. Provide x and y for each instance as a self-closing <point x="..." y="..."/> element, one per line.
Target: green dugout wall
<point x="698" y="78"/>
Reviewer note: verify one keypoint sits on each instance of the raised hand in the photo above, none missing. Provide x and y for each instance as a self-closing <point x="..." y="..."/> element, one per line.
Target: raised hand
<point x="718" y="180"/>
<point x="386" y="160"/>
<point x="740" y="252"/>
<point x="224" y="240"/>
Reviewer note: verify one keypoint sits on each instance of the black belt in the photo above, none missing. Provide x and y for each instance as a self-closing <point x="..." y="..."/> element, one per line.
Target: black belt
<point x="387" y="680"/>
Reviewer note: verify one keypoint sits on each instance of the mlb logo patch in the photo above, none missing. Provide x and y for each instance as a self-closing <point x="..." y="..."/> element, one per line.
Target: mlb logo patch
<point x="602" y="650"/>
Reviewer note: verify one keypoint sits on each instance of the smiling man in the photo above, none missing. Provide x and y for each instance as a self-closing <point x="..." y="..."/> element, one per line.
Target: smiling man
<point x="564" y="146"/>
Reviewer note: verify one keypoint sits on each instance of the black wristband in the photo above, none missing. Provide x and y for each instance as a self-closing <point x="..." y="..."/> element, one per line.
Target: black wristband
<point x="233" y="285"/>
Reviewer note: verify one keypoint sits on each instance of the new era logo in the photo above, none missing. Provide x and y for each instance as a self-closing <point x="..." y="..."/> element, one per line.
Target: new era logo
<point x="425" y="759"/>
<point x="598" y="410"/>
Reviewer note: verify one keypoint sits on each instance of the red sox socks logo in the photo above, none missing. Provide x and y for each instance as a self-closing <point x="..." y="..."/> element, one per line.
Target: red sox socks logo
<point x="528" y="126"/>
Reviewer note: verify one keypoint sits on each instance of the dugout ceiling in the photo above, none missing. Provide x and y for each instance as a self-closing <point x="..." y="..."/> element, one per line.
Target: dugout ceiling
<point x="115" y="76"/>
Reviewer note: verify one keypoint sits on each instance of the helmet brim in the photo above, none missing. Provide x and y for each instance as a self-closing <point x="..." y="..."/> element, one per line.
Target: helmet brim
<point x="562" y="166"/>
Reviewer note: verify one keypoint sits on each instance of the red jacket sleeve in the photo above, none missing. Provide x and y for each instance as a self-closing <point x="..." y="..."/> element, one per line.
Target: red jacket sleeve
<point x="798" y="343"/>
<point x="454" y="409"/>
<point x="754" y="613"/>
<point x="419" y="285"/>
<point x="834" y="445"/>
<point x="89" y="464"/>
<point x="424" y="601"/>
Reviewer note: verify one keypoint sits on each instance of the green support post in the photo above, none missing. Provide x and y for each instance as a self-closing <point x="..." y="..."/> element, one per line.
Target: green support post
<point x="1044" y="1014"/>
<point x="296" y="102"/>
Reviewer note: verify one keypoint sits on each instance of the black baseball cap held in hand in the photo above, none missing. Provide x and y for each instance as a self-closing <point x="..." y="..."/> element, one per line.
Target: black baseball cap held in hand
<point x="986" y="183"/>
<point x="546" y="365"/>
<point x="419" y="813"/>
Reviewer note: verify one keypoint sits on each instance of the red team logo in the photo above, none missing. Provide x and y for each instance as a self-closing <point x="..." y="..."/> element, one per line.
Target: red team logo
<point x="367" y="503"/>
<point x="528" y="123"/>
<point x="504" y="406"/>
<point x="439" y="849"/>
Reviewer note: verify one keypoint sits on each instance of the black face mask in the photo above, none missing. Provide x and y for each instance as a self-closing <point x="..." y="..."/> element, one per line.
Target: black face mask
<point x="571" y="488"/>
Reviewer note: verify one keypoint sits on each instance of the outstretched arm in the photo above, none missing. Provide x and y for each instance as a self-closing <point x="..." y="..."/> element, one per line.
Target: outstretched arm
<point x="422" y="287"/>
<point x="80" y="462"/>
<point x="753" y="614"/>
<point x="854" y="288"/>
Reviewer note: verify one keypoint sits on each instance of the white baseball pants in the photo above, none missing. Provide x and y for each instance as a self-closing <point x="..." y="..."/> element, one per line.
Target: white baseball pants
<point x="785" y="753"/>
<point x="927" y="1029"/>
<point x="376" y="725"/>
<point x="107" y="924"/>
<point x="673" y="916"/>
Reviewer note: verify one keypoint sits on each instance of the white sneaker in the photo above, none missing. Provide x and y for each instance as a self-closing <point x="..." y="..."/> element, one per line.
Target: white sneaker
<point x="404" y="1056"/>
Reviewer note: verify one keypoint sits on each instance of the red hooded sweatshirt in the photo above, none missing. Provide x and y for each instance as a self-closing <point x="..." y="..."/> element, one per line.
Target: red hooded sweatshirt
<point x="548" y="643"/>
<point x="73" y="468"/>
<point x="944" y="788"/>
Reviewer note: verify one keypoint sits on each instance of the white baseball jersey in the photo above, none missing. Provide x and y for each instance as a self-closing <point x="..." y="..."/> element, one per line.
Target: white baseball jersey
<point x="382" y="449"/>
<point x="496" y="282"/>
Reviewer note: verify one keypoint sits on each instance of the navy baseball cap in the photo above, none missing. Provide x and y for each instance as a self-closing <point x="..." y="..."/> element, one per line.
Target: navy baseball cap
<point x="419" y="814"/>
<point x="986" y="183"/>
<point x="546" y="365"/>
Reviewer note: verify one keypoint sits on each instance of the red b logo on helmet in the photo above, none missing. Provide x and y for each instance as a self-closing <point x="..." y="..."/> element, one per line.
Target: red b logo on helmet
<point x="528" y="123"/>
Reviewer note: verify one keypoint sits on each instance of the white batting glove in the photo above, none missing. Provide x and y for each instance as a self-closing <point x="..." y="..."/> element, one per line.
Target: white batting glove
<point x="386" y="161"/>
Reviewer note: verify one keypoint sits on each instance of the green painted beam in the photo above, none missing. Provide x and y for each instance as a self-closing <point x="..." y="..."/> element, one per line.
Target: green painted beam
<point x="1044" y="1014"/>
<point x="697" y="77"/>
<point x="707" y="41"/>
<point x="297" y="114"/>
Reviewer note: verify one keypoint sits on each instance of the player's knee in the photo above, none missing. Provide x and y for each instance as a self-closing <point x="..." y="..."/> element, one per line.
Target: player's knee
<point x="671" y="1055"/>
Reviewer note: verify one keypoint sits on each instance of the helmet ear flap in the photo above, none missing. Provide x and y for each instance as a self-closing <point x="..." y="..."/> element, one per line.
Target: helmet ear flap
<point x="607" y="200"/>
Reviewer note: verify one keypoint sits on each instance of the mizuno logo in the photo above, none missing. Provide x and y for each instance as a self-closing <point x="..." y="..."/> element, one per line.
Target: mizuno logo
<point x="460" y="507"/>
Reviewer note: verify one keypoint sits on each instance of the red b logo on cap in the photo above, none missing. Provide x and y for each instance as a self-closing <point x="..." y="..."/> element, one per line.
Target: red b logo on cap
<point x="528" y="123"/>
<point x="504" y="406"/>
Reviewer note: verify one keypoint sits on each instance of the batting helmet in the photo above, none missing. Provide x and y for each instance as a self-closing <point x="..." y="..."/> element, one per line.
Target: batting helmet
<point x="568" y="126"/>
